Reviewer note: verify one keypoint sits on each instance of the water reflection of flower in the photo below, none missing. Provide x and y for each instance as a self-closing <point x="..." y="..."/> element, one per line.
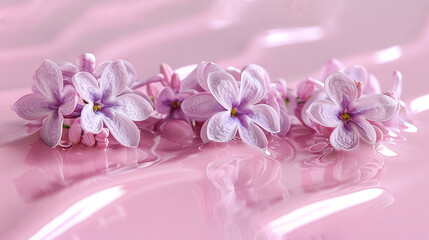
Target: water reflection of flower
<point x="53" y="169"/>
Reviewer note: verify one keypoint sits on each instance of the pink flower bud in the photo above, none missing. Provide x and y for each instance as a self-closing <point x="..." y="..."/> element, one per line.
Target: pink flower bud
<point x="88" y="139"/>
<point x="75" y="131"/>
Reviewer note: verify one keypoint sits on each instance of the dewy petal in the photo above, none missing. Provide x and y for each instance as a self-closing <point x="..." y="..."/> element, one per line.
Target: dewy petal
<point x="164" y="100"/>
<point x="49" y="79"/>
<point x="266" y="117"/>
<point x="133" y="106"/>
<point x="90" y="121"/>
<point x="87" y="86"/>
<point x="203" y="71"/>
<point x="224" y="88"/>
<point x="377" y="107"/>
<point x="344" y="139"/>
<point x="113" y="80"/>
<point x="69" y="100"/>
<point x="358" y="73"/>
<point x="221" y="127"/>
<point x="341" y="89"/>
<point x="253" y="87"/>
<point x="52" y="129"/>
<point x="32" y="106"/>
<point x="366" y="130"/>
<point x="253" y="135"/>
<point x="324" y="112"/>
<point x="86" y="62"/>
<point x="122" y="128"/>
<point x="201" y="106"/>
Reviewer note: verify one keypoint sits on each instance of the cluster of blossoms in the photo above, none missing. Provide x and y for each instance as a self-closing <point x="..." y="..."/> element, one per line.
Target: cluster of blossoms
<point x="93" y="104"/>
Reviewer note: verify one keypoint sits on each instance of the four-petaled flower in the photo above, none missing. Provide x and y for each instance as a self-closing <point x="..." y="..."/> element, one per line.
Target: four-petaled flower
<point x="348" y="115"/>
<point x="50" y="101"/>
<point x="228" y="108"/>
<point x="107" y="103"/>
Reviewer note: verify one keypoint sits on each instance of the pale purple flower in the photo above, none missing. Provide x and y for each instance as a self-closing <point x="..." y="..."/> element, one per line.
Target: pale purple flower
<point x="229" y="108"/>
<point x="349" y="116"/>
<point x="50" y="101"/>
<point x="107" y="103"/>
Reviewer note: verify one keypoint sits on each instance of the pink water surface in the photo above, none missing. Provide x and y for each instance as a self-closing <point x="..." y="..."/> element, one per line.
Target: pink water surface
<point x="174" y="187"/>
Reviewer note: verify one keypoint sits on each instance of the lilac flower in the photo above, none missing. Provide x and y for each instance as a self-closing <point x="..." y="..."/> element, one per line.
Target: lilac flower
<point x="348" y="115"/>
<point x="229" y="108"/>
<point x="87" y="63"/>
<point x="50" y="101"/>
<point x="107" y="103"/>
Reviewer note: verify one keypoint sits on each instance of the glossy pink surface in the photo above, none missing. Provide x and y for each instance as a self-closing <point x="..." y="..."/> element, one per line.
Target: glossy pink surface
<point x="172" y="186"/>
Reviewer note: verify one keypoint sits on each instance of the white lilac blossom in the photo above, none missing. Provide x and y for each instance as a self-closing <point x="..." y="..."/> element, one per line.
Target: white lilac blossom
<point x="50" y="101"/>
<point x="107" y="103"/>
<point x="228" y="108"/>
<point x="349" y="115"/>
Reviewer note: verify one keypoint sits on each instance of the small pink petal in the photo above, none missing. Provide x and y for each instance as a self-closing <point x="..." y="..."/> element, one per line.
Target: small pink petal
<point x="88" y="139"/>
<point x="103" y="145"/>
<point x="86" y="62"/>
<point x="103" y="134"/>
<point x="358" y="73"/>
<point x="32" y="106"/>
<point x="87" y="86"/>
<point x="234" y="72"/>
<point x="203" y="132"/>
<point x="359" y="86"/>
<point x="52" y="129"/>
<point x="164" y="99"/>
<point x="344" y="139"/>
<point x="190" y="82"/>
<point x="324" y="112"/>
<point x="68" y="69"/>
<point x="91" y="122"/>
<point x="224" y="88"/>
<point x="134" y="106"/>
<point x="69" y="100"/>
<point x="175" y="82"/>
<point x="48" y="79"/>
<point x="132" y="74"/>
<point x="253" y="135"/>
<point x="253" y="86"/>
<point x="203" y="71"/>
<point x="305" y="88"/>
<point x="98" y="71"/>
<point x="167" y="72"/>
<point x="266" y="117"/>
<point x="75" y="131"/>
<point x="114" y="79"/>
<point x="221" y="127"/>
<point x="201" y="106"/>
<point x="377" y="107"/>
<point x="122" y="128"/>
<point x="341" y="89"/>
<point x="332" y="66"/>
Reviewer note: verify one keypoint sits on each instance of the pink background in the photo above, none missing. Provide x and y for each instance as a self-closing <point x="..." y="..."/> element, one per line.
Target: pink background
<point x="60" y="194"/>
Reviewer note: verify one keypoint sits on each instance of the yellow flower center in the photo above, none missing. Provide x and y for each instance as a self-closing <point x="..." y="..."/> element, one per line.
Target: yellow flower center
<point x="175" y="104"/>
<point x="97" y="107"/>
<point x="233" y="112"/>
<point x="345" y="117"/>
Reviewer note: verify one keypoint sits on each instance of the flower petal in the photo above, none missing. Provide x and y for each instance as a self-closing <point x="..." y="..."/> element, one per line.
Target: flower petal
<point x="113" y="80"/>
<point x="377" y="107"/>
<point x="266" y="117"/>
<point x="32" y="106"/>
<point x="122" y="128"/>
<point x="52" y="129"/>
<point x="132" y="74"/>
<point x="98" y="71"/>
<point x="203" y="132"/>
<point x="201" y="106"/>
<point x="253" y="87"/>
<point x="366" y="130"/>
<point x="341" y="89"/>
<point x="358" y="73"/>
<point x="397" y="83"/>
<point x="253" y="135"/>
<point x="68" y="69"/>
<point x="167" y="72"/>
<point x="203" y="71"/>
<point x="164" y="100"/>
<point x="332" y="66"/>
<point x="224" y="88"/>
<point x="69" y="100"/>
<point x="285" y="122"/>
<point x="86" y="62"/>
<point x="221" y="127"/>
<point x="48" y="79"/>
<point x="134" y="106"/>
<point x="343" y="138"/>
<point x="324" y="112"/>
<point x="87" y="86"/>
<point x="90" y="121"/>
<point x="190" y="82"/>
